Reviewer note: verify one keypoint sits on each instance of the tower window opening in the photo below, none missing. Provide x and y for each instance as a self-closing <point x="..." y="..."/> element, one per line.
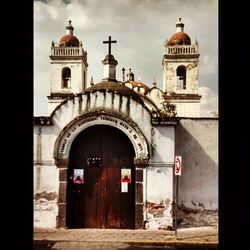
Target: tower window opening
<point x="181" y="78"/>
<point x="66" y="77"/>
<point x="84" y="79"/>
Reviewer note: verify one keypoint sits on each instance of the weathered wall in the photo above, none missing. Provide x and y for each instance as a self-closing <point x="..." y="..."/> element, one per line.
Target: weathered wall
<point x="197" y="143"/>
<point x="127" y="107"/>
<point x="170" y="75"/>
<point x="76" y="83"/>
<point x="184" y="107"/>
<point x="187" y="108"/>
<point x="195" y="139"/>
<point x="155" y="94"/>
<point x="161" y="151"/>
<point x="44" y="139"/>
<point x="162" y="144"/>
<point x="45" y="178"/>
<point x="45" y="195"/>
<point x="159" y="178"/>
<point x="102" y="100"/>
<point x="159" y="195"/>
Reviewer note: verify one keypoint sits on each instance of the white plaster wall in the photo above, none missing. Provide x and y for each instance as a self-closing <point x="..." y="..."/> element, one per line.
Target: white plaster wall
<point x="46" y="184"/>
<point x="109" y="71"/>
<point x="159" y="183"/>
<point x="184" y="108"/>
<point x="162" y="140"/>
<point x="52" y="104"/>
<point x="197" y="142"/>
<point x="35" y="144"/>
<point x="97" y="100"/>
<point x="155" y="95"/>
<point x="47" y="139"/>
<point x="187" y="109"/>
<point x="159" y="197"/>
<point x="76" y="85"/>
<point x="46" y="178"/>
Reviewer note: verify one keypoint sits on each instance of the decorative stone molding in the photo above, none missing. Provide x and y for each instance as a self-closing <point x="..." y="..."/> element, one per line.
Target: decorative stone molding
<point x="168" y="109"/>
<point x="100" y="117"/>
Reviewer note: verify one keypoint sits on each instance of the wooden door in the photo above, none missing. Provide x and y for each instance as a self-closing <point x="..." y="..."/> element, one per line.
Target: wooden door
<point x="99" y="202"/>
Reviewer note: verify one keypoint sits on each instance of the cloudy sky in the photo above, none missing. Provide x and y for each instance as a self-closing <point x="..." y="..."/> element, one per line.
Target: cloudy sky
<point x="140" y="28"/>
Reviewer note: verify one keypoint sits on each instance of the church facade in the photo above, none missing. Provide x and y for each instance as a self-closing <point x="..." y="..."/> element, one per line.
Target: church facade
<point x="105" y="156"/>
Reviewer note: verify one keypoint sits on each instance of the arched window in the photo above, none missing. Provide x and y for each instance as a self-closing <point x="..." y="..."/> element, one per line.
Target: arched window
<point x="66" y="77"/>
<point x="181" y="78"/>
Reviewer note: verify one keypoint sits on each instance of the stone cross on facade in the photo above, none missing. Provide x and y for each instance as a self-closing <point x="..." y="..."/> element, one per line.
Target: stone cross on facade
<point x="109" y="42"/>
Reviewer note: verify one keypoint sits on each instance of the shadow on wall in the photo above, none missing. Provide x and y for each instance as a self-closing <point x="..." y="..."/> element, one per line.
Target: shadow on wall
<point x="158" y="146"/>
<point x="197" y="143"/>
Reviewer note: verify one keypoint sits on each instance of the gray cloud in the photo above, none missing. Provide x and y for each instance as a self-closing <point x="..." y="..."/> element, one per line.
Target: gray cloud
<point x="140" y="28"/>
<point x="209" y="102"/>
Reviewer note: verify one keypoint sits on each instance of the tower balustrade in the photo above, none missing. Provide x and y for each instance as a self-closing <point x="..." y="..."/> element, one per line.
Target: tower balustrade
<point x="66" y="51"/>
<point x="181" y="50"/>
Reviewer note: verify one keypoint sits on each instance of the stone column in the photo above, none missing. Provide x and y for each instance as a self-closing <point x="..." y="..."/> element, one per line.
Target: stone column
<point x="140" y="164"/>
<point x="62" y="164"/>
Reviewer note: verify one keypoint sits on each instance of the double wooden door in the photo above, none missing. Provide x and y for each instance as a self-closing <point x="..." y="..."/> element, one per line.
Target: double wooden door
<point x="99" y="154"/>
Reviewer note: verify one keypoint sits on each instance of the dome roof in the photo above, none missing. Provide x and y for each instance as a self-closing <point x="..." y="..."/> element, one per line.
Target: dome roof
<point x="69" y="41"/>
<point x="115" y="87"/>
<point x="179" y="38"/>
<point x="140" y="85"/>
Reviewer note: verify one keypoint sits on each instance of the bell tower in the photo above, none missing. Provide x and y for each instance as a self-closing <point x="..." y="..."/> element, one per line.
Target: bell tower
<point x="69" y="65"/>
<point x="181" y="72"/>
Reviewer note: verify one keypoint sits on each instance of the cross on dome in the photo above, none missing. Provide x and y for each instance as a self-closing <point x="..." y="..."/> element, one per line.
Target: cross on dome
<point x="109" y="43"/>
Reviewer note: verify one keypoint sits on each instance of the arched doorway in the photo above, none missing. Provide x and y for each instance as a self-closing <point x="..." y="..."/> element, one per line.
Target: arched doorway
<point x="101" y="151"/>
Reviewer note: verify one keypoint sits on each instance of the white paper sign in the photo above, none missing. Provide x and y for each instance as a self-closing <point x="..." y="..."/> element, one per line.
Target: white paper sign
<point x="78" y="176"/>
<point x="124" y="187"/>
<point x="126" y="175"/>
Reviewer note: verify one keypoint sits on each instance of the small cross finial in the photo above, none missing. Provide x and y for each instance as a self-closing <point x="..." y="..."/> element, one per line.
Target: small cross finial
<point x="91" y="81"/>
<point x="139" y="78"/>
<point x="154" y="82"/>
<point x="109" y="43"/>
<point x="70" y="22"/>
<point x="179" y="19"/>
<point x="123" y="75"/>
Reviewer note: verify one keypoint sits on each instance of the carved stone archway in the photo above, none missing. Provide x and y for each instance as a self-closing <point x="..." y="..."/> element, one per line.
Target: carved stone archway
<point x="101" y="117"/>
